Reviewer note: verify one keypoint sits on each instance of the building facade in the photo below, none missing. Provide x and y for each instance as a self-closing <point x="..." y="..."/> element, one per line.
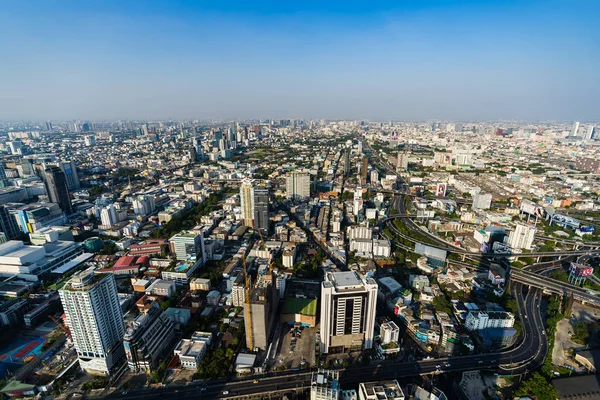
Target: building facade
<point x="297" y="185"/>
<point x="147" y="339"/>
<point x="58" y="191"/>
<point x="95" y="319"/>
<point x="348" y="305"/>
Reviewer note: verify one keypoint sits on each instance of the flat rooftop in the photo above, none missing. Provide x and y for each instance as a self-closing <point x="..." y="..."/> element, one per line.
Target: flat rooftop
<point x="346" y="278"/>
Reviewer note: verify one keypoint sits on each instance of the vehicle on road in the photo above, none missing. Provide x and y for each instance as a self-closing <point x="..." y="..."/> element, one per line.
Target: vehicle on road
<point x="225" y="391"/>
<point x="255" y="381"/>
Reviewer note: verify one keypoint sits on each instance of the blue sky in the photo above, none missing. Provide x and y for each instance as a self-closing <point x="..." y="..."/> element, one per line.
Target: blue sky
<point x="463" y="60"/>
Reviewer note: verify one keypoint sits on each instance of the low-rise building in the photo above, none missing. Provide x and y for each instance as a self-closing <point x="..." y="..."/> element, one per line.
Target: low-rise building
<point x="386" y="390"/>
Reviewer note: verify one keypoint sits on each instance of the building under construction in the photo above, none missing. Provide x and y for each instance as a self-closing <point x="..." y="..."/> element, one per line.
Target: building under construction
<point x="260" y="313"/>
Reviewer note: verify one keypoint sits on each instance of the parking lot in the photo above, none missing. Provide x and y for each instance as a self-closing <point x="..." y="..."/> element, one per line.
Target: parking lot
<point x="297" y="344"/>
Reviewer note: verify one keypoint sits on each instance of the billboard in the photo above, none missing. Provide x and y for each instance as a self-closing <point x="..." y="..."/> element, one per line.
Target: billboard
<point x="586" y="229"/>
<point x="440" y="190"/>
<point x="565" y="221"/>
<point x="580" y="270"/>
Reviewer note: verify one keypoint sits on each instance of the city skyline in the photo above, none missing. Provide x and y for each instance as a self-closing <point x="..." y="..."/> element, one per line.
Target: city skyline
<point x="452" y="60"/>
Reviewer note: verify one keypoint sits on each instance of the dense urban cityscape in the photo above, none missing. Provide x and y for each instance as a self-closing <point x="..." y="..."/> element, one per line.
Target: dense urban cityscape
<point x="299" y="258"/>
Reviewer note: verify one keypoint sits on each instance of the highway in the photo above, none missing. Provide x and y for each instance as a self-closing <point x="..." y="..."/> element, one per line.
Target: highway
<point x="524" y="356"/>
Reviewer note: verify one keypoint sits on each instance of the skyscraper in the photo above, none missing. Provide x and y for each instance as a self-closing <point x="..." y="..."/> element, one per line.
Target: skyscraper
<point x="522" y="236"/>
<point x="261" y="209"/>
<point x="94" y="317"/>
<point x="364" y="169"/>
<point x="402" y="162"/>
<point x="144" y="205"/>
<point x="3" y="180"/>
<point x="348" y="305"/>
<point x="109" y="216"/>
<point x="575" y="129"/>
<point x="347" y="163"/>
<point x="8" y="224"/>
<point x="56" y="186"/>
<point x="68" y="167"/>
<point x="247" y="202"/>
<point x="298" y="185"/>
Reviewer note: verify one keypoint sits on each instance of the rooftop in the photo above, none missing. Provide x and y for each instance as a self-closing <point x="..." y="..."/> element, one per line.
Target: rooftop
<point x="345" y="279"/>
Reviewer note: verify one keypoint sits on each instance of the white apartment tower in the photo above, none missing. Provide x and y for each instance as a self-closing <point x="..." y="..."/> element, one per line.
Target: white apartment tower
<point x="522" y="237"/>
<point x="95" y="319"/>
<point x="144" y="205"/>
<point x="297" y="185"/>
<point x="247" y="202"/>
<point x="348" y="305"/>
<point x="109" y="216"/>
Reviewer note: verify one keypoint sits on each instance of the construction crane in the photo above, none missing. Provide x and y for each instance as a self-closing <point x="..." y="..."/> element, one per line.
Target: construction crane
<point x="60" y="325"/>
<point x="248" y="308"/>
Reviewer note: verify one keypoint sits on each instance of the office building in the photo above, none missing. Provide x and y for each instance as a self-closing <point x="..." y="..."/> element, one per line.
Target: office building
<point x="16" y="147"/>
<point x="144" y="205"/>
<point x="386" y="390"/>
<point x="8" y="224"/>
<point x="482" y="201"/>
<point x="247" y="202"/>
<point x="90" y="140"/>
<point x="347" y="163"/>
<point x="109" y="216"/>
<point x="95" y="319"/>
<point x="575" y="129"/>
<point x="186" y="244"/>
<point x="147" y="338"/>
<point x="298" y="185"/>
<point x="522" y="236"/>
<point x="192" y="351"/>
<point x="70" y="171"/>
<point x="348" y="305"/>
<point x="261" y="209"/>
<point x="56" y="186"/>
<point x="402" y="162"/>
<point x="3" y="179"/>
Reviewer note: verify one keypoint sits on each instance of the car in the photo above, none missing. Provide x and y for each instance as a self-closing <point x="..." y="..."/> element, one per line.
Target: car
<point x="255" y="381"/>
<point x="480" y="362"/>
<point x="225" y="391"/>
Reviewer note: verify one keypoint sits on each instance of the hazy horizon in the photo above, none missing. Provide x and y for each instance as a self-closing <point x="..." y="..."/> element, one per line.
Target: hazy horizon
<point x="396" y="60"/>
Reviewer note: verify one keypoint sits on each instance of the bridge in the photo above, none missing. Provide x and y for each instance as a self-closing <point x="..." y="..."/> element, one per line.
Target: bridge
<point x="547" y="284"/>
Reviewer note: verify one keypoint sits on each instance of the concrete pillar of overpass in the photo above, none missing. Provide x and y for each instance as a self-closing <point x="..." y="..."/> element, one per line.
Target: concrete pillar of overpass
<point x="537" y="260"/>
<point x="464" y="256"/>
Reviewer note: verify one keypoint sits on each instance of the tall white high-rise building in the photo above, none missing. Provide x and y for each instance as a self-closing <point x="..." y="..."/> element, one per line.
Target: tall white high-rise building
<point x="358" y="201"/>
<point x="590" y="133"/>
<point x="482" y="201"/>
<point x="95" y="320"/>
<point x="109" y="216"/>
<point x="247" y="202"/>
<point x="575" y="129"/>
<point x="90" y="140"/>
<point x="144" y="205"/>
<point x="297" y="185"/>
<point x="348" y="305"/>
<point x="522" y="236"/>
<point x="402" y="162"/>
